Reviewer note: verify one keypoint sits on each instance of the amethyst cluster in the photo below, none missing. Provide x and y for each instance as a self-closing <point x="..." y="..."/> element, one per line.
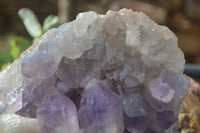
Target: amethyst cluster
<point x="99" y="110"/>
<point x="114" y="73"/>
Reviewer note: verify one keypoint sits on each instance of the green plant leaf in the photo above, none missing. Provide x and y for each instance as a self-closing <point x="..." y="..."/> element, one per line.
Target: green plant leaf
<point x="4" y="58"/>
<point x="31" y="22"/>
<point x="50" y="22"/>
<point x="17" y="46"/>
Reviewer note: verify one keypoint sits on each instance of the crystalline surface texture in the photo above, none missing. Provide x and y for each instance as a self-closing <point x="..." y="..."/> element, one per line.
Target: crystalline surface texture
<point x="57" y="114"/>
<point x="134" y="61"/>
<point x="100" y="109"/>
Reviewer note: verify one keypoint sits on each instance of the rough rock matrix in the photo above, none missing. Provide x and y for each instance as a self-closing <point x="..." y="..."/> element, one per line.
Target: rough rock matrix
<point x="114" y="73"/>
<point x="189" y="116"/>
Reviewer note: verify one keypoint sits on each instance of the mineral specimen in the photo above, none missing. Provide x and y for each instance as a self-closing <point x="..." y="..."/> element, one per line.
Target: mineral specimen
<point x="114" y="73"/>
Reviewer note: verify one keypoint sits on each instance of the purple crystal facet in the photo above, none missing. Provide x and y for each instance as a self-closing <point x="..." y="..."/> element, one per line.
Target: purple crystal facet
<point x="136" y="124"/>
<point x="166" y="91"/>
<point x="159" y="93"/>
<point x="165" y="119"/>
<point x="100" y="108"/>
<point x="39" y="66"/>
<point x="57" y="114"/>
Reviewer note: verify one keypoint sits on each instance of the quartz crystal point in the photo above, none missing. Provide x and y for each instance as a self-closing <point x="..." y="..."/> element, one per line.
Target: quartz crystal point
<point x="57" y="114"/>
<point x="137" y="61"/>
<point x="100" y="109"/>
<point x="166" y="91"/>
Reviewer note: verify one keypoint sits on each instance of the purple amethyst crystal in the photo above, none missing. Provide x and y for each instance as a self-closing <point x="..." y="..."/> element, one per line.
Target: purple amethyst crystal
<point x="57" y="114"/>
<point x="166" y="91"/>
<point x="100" y="109"/>
<point x="136" y="124"/>
<point x="137" y="65"/>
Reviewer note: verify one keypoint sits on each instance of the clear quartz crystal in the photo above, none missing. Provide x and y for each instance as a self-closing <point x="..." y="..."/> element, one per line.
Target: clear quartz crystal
<point x="137" y="65"/>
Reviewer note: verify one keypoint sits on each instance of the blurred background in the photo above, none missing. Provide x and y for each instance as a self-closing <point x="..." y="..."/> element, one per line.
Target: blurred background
<point x="181" y="16"/>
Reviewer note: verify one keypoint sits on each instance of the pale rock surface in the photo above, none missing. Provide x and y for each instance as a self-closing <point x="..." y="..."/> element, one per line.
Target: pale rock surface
<point x="128" y="52"/>
<point x="11" y="123"/>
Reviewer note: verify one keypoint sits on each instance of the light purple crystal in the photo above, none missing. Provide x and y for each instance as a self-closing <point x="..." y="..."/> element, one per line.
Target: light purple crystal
<point x="166" y="91"/>
<point x="100" y="109"/>
<point x="160" y="93"/>
<point x="33" y="95"/>
<point x="57" y="114"/>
